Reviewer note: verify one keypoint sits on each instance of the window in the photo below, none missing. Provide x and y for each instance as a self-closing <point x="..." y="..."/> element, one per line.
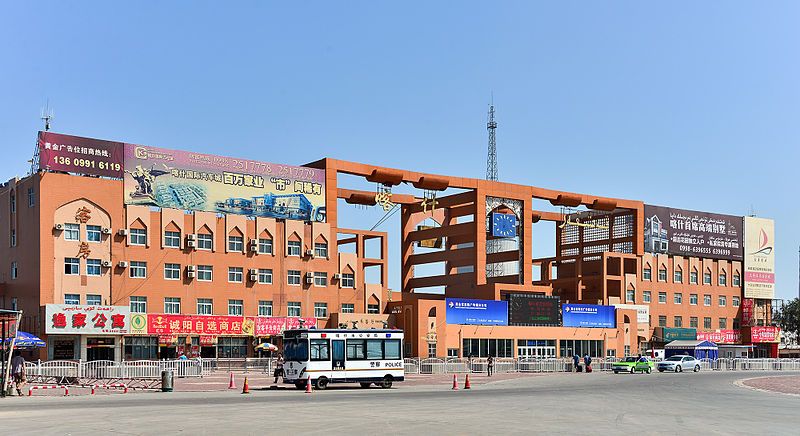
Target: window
<point x="356" y="349"/>
<point x="723" y="279"/>
<point x="723" y="323"/>
<point x="391" y="349"/>
<point x="141" y="348"/>
<point x="722" y="300"/>
<point x="172" y="239"/>
<point x="293" y="249"/>
<point x="452" y="352"/>
<point x="13" y="203"/>
<point x="737" y="280"/>
<point x="706" y="300"/>
<point x="373" y="308"/>
<point x="235" y="274"/>
<point x="431" y="349"/>
<point x="707" y="322"/>
<point x="677" y="298"/>
<point x="293" y="277"/>
<point x="72" y="266"/>
<point x="736" y="324"/>
<point x="92" y="267"/>
<point x="321" y="249"/>
<point x="264" y="246"/>
<point x="93" y="233"/>
<point x="348" y="308"/>
<point x="139" y="304"/>
<point x="693" y="277"/>
<point x="293" y="308"/>
<point x="172" y="305"/>
<point x="647" y="273"/>
<point x="320" y="310"/>
<point x="646" y="297"/>
<point x="138" y="270"/>
<point x="93" y="300"/>
<point x="735" y="301"/>
<point x="348" y="280"/>
<point x="662" y="274"/>
<point x="630" y="296"/>
<point x="13" y="237"/>
<point x="677" y="276"/>
<point x="235" y="243"/>
<point x="204" y="241"/>
<point x="662" y="297"/>
<point x="31" y="197"/>
<point x="265" y="276"/>
<point x="662" y="320"/>
<point x="72" y="232"/>
<point x="707" y="278"/>
<point x="228" y="347"/>
<point x="235" y="307"/>
<point x="264" y="308"/>
<point x="678" y="321"/>
<point x="72" y="299"/>
<point x="205" y="273"/>
<point x="320" y="350"/>
<point x="320" y="278"/>
<point x="693" y="322"/>
<point x="172" y="271"/>
<point x="137" y="237"/>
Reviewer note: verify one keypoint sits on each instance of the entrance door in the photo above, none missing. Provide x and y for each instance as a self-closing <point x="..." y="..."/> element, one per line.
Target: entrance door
<point x="100" y="353"/>
<point x="337" y="354"/>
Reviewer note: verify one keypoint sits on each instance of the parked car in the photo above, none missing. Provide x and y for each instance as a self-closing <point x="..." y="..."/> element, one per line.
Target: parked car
<point x="679" y="363"/>
<point x="633" y="364"/>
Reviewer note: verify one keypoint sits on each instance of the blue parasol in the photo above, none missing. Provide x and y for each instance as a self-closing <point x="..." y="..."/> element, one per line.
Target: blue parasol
<point x="26" y="340"/>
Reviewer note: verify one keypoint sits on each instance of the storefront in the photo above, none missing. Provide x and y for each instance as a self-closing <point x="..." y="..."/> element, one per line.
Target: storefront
<point x="764" y="339"/>
<point x="86" y="332"/>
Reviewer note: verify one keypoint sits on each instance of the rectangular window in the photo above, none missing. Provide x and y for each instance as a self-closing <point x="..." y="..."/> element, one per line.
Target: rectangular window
<point x="293" y="277"/>
<point x="373" y="308"/>
<point x="172" y="239"/>
<point x="348" y="308"/>
<point x="137" y="237"/>
<point x="293" y="249"/>
<point x="235" y="274"/>
<point x="293" y="308"/>
<point x="677" y="298"/>
<point x="735" y="301"/>
<point x="204" y="241"/>
<point x="662" y="275"/>
<point x="707" y="322"/>
<point x="235" y="307"/>
<point x="693" y="299"/>
<point x="630" y="296"/>
<point x="205" y="306"/>
<point x="646" y="297"/>
<point x="139" y="304"/>
<point x="72" y="266"/>
<point x="431" y="349"/>
<point x="693" y="277"/>
<point x="677" y="277"/>
<point x="693" y="322"/>
<point x="706" y="300"/>
<point x="264" y="308"/>
<point x="723" y="301"/>
<point x="72" y="299"/>
<point x="662" y="297"/>
<point x="723" y="323"/>
<point x="94" y="300"/>
<point x="93" y="233"/>
<point x="736" y="324"/>
<point x="13" y="237"/>
<point x="31" y="197"/>
<point x="172" y="305"/>
<point x="348" y="280"/>
<point x="707" y="278"/>
<point x="72" y="232"/>
<point x="92" y="267"/>
<point x="320" y="350"/>
<point x="320" y="278"/>
<point x="374" y="349"/>
<point x="235" y="243"/>
<point x="678" y="321"/>
<point x="172" y="271"/>
<point x="723" y="280"/>
<point x="356" y="349"/>
<point x="265" y="276"/>
<point x="647" y="274"/>
<point x="320" y="249"/>
<point x="320" y="310"/>
<point x="14" y="270"/>
<point x="13" y="203"/>
<point x="662" y="320"/>
<point x="205" y="273"/>
<point x="391" y="349"/>
<point x="141" y="348"/>
<point x="737" y="281"/>
<point x="138" y="270"/>
<point x="264" y="246"/>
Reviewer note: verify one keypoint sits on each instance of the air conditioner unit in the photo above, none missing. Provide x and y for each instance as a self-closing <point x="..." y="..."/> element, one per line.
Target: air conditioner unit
<point x="251" y="271"/>
<point x="309" y="275"/>
<point x="106" y="264"/>
<point x="309" y="280"/>
<point x="190" y="274"/>
<point x="59" y="226"/>
<point x="253" y="245"/>
<point x="190" y="237"/>
<point x="337" y="276"/>
<point x="253" y="277"/>
<point x="190" y="268"/>
<point x="191" y="244"/>
<point x="309" y="253"/>
<point x="122" y="264"/>
<point x="106" y="231"/>
<point x="122" y="232"/>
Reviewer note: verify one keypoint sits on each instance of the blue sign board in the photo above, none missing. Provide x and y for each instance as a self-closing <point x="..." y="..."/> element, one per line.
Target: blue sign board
<point x="476" y="312"/>
<point x="588" y="315"/>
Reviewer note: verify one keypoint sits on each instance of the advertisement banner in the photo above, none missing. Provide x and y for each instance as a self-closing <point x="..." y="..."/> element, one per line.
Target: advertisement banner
<point x="87" y="320"/>
<point x="534" y="310"/>
<point x="275" y="325"/>
<point x="759" y="261"/>
<point x="668" y="334"/>
<point x="476" y="312"/>
<point x="721" y="336"/>
<point x="169" y="325"/>
<point x="194" y="181"/>
<point x="75" y="154"/>
<point x="588" y="315"/>
<point x="764" y="334"/>
<point x="691" y="233"/>
<point x="747" y="311"/>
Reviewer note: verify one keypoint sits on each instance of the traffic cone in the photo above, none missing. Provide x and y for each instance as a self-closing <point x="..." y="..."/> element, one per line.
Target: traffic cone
<point x="308" y="385"/>
<point x="466" y="383"/>
<point x="231" y="385"/>
<point x="246" y="387"/>
<point x="455" y="382"/>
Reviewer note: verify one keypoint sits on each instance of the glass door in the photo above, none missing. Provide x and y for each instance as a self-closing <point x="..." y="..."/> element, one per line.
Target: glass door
<point x="337" y="354"/>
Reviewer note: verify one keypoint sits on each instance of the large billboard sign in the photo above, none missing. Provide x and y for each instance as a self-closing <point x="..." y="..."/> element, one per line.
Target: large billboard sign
<point x="195" y="181"/>
<point x="476" y="312"/>
<point x="168" y="324"/>
<point x="534" y="310"/>
<point x="759" y="260"/>
<point x="764" y="334"/>
<point x="74" y="154"/>
<point x="691" y="233"/>
<point x="276" y="325"/>
<point x="86" y="319"/>
<point x="588" y="315"/>
<point x="721" y="336"/>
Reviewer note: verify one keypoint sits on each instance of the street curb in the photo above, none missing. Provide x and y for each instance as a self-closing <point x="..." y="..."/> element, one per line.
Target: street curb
<point x="741" y="383"/>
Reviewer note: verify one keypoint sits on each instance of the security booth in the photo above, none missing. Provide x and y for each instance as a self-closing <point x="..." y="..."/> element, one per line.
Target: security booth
<point x="698" y="349"/>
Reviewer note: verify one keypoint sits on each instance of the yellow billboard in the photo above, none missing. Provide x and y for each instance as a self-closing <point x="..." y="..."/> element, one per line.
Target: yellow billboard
<point x="759" y="258"/>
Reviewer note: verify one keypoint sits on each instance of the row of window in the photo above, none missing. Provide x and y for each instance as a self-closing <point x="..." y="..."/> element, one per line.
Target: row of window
<point x="677" y="321"/>
<point x="677" y="298"/>
<point x="72" y="232"/>
<point x="31" y="200"/>
<point x="677" y="276"/>
<point x="205" y="306"/>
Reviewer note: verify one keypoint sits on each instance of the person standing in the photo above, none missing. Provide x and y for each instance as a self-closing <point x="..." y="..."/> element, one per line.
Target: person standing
<point x="490" y="365"/>
<point x="588" y="362"/>
<point x="18" y="371"/>
<point x="279" y="368"/>
<point x="576" y="362"/>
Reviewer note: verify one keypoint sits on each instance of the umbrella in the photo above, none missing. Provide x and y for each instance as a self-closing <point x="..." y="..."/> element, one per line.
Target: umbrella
<point x="266" y="346"/>
<point x="26" y="340"/>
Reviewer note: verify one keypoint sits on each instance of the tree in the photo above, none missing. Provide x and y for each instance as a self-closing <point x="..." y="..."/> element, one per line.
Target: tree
<point x="788" y="317"/>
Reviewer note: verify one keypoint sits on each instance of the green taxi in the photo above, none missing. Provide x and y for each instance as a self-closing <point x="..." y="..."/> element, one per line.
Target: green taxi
<point x="633" y="364"/>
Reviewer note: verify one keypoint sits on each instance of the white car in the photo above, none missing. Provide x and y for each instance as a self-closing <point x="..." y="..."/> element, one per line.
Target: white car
<point x="679" y="364"/>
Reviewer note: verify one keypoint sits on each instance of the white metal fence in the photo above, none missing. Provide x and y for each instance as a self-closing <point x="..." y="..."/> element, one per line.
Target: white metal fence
<point x="106" y="369"/>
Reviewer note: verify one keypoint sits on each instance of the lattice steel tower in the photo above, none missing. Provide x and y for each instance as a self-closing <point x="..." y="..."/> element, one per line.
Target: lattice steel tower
<point x="491" y="160"/>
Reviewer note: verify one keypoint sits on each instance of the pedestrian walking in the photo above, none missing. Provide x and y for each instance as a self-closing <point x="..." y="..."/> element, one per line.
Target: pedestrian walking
<point x="588" y="362"/>
<point x="576" y="362"/>
<point x="18" y="372"/>
<point x="279" y="368"/>
<point x="490" y="365"/>
<point x="469" y="362"/>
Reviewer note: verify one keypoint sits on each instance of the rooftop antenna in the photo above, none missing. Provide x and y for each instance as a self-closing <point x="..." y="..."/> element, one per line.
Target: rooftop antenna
<point x="752" y="212"/>
<point x="46" y="115"/>
<point x="491" y="161"/>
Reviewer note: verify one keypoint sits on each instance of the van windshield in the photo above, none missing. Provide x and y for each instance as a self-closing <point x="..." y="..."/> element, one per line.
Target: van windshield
<point x="295" y="349"/>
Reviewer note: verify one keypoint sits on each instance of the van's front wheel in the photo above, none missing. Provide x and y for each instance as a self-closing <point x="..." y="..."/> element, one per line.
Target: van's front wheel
<point x="386" y="383"/>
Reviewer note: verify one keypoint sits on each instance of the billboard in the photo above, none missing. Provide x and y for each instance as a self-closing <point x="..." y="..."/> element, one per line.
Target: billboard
<point x="86" y="319"/>
<point x="588" y="315"/>
<point x="476" y="312"/>
<point x="764" y="334"/>
<point x="691" y="233"/>
<point x="168" y="324"/>
<point x="721" y="336"/>
<point x="759" y="260"/>
<point x="74" y="154"/>
<point x="667" y="334"/>
<point x="195" y="181"/>
<point x="275" y="325"/>
<point x="534" y="310"/>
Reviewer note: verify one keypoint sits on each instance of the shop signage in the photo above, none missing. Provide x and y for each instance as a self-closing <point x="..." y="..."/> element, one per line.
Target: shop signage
<point x="759" y="260"/>
<point x="208" y="340"/>
<point x="138" y="323"/>
<point x="75" y="154"/>
<point x="533" y="310"/>
<point x="588" y="315"/>
<point x="476" y="312"/>
<point x="167" y="339"/>
<point x="167" y="324"/>
<point x="691" y="233"/>
<point x="747" y="311"/>
<point x="678" y="334"/>
<point x="86" y="319"/>
<point x="721" y="336"/>
<point x="762" y="334"/>
<point x="195" y="181"/>
<point x="275" y="325"/>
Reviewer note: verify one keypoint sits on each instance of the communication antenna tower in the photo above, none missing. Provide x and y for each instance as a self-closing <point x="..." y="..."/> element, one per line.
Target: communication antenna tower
<point x="491" y="161"/>
<point x="46" y="116"/>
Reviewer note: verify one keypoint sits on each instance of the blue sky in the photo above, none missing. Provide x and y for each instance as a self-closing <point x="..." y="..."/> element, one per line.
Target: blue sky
<point x="687" y="105"/>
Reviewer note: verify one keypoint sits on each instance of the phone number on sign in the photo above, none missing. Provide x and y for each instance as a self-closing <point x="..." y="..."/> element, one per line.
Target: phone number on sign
<point x="87" y="163"/>
<point x="704" y="250"/>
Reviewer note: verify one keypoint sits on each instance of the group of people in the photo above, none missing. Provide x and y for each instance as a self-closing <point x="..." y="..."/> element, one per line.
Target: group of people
<point x="587" y="362"/>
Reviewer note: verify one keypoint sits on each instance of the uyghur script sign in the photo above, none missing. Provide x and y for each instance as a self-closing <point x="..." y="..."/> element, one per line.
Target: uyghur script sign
<point x="691" y="233"/>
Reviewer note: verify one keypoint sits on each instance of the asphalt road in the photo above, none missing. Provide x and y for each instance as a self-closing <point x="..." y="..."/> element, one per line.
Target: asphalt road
<point x="591" y="404"/>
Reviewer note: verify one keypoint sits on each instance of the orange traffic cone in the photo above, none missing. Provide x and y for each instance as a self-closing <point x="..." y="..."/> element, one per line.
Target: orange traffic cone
<point x="308" y="385"/>
<point x="246" y="387"/>
<point x="466" y="383"/>
<point x="455" y="382"/>
<point x="231" y="385"/>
